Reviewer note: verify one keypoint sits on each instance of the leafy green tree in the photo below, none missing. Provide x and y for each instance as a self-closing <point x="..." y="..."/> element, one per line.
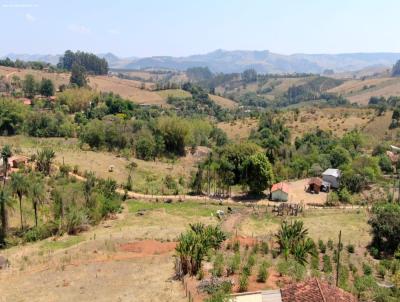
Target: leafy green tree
<point x="46" y="87"/>
<point x="385" y="163"/>
<point x="339" y="156"/>
<point x="93" y="134"/>
<point x="12" y="115"/>
<point x="353" y="141"/>
<point x="19" y="186"/>
<point x="396" y="69"/>
<point x="385" y="224"/>
<point x="197" y="181"/>
<point x="78" y="75"/>
<point x="145" y="145"/>
<point x="175" y="133"/>
<point x="249" y="75"/>
<point x="258" y="174"/>
<point x="29" y="86"/>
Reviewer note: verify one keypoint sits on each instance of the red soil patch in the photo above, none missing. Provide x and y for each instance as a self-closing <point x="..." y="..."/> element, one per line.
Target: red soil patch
<point x="250" y="241"/>
<point x="148" y="247"/>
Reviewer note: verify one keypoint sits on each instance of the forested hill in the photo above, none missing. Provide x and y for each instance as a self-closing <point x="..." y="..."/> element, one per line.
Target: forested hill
<point x="237" y="61"/>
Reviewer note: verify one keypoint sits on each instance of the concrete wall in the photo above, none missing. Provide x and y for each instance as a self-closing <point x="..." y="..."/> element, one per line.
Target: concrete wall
<point x="279" y="195"/>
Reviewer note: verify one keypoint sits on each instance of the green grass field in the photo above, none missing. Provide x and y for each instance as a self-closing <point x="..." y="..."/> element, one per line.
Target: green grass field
<point x="321" y="224"/>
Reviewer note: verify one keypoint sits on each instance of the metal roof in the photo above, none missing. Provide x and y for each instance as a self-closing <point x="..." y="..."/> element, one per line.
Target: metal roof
<point x="331" y="172"/>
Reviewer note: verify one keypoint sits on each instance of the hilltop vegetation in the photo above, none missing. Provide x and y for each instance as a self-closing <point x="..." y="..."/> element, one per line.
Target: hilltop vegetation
<point x="214" y="138"/>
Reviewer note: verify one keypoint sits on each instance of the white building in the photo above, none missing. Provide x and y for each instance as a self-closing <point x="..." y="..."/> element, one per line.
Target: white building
<point x="332" y="176"/>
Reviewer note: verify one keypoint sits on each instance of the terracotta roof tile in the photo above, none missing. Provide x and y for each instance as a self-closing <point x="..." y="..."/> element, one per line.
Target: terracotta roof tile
<point x="283" y="186"/>
<point x="314" y="290"/>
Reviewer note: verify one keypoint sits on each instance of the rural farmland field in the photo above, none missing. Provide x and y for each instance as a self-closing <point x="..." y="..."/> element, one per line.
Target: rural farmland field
<point x="223" y="151"/>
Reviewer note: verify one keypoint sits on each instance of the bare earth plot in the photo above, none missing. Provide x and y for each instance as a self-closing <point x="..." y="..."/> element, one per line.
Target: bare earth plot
<point x="116" y="261"/>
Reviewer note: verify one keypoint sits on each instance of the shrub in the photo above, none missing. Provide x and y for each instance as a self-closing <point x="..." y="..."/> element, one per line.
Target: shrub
<point x="251" y="261"/>
<point x="77" y="220"/>
<point x="315" y="262"/>
<point x="246" y="270"/>
<point x="350" y="248"/>
<point x="292" y="269"/>
<point x="41" y="232"/>
<point x="353" y="268"/>
<point x="327" y="265"/>
<point x="381" y="271"/>
<point x="375" y="252"/>
<point x="264" y="248"/>
<point x="218" y="267"/>
<point x="255" y="248"/>
<point x="330" y="244"/>
<point x="236" y="246"/>
<point x="343" y="277"/>
<point x="367" y="269"/>
<point x="234" y="264"/>
<point x="262" y="275"/>
<point x="321" y="246"/>
<point x="243" y="282"/>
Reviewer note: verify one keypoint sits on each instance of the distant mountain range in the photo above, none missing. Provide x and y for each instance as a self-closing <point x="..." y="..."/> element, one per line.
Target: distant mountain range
<point x="236" y="61"/>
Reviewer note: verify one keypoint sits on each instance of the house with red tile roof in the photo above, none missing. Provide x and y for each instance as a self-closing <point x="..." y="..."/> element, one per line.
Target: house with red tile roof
<point x="312" y="290"/>
<point x="280" y="191"/>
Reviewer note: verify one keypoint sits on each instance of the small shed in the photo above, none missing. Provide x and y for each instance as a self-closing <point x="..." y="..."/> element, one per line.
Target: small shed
<point x="314" y="185"/>
<point x="280" y="191"/>
<point x="332" y="176"/>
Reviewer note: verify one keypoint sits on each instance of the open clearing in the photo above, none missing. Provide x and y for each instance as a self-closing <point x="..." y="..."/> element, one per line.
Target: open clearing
<point x="360" y="91"/>
<point x="148" y="176"/>
<point x="131" y="258"/>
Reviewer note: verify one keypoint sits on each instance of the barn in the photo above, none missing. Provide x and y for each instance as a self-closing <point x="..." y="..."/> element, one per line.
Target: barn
<point x="332" y="176"/>
<point x="280" y="191"/>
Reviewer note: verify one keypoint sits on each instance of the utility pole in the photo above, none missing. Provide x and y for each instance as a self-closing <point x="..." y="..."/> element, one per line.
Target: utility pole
<point x="338" y="258"/>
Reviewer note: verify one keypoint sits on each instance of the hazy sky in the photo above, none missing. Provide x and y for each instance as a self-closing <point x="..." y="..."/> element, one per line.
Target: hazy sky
<point x="183" y="27"/>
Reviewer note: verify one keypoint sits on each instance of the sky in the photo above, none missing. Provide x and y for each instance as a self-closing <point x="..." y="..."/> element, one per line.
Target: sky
<point x="184" y="27"/>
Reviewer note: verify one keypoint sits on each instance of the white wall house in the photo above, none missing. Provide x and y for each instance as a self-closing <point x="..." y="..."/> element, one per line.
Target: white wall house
<point x="280" y="192"/>
<point x="332" y="176"/>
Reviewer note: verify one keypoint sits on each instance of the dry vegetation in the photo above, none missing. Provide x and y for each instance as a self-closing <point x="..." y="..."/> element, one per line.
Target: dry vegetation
<point x="120" y="261"/>
<point x="148" y="176"/>
<point x="360" y="91"/>
<point x="239" y="129"/>
<point x="223" y="102"/>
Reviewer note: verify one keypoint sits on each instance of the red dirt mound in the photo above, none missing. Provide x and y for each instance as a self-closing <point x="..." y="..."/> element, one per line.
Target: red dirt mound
<point x="148" y="247"/>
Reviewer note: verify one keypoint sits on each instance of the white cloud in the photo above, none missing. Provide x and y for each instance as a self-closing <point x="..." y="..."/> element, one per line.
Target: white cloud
<point x="29" y="18"/>
<point x="113" y="31"/>
<point x="80" y="29"/>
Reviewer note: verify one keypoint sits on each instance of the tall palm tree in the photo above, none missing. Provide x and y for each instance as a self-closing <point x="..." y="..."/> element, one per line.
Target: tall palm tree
<point x="5" y="202"/>
<point x="45" y="158"/>
<point x="37" y="194"/>
<point x="5" y="155"/>
<point x="19" y="186"/>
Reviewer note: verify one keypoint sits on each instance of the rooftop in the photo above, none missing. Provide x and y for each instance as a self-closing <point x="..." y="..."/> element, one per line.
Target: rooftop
<point x="314" y="290"/>
<point x="332" y="172"/>
<point x="282" y="186"/>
